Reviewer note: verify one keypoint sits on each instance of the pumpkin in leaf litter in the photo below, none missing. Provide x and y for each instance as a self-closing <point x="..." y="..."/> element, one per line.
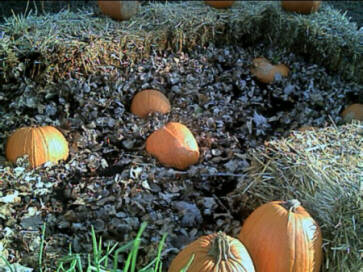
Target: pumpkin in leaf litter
<point x="173" y="145"/>
<point x="216" y="252"/>
<point x="265" y="72"/>
<point x="148" y="101"/>
<point x="41" y="144"/>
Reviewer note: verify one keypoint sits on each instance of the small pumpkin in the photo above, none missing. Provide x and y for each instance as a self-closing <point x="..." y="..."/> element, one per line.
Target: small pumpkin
<point x="41" y="144"/>
<point x="215" y="252"/>
<point x="266" y="72"/>
<point x="173" y="145"/>
<point x="354" y="111"/>
<point x="303" y="7"/>
<point x="219" y="4"/>
<point x="282" y="236"/>
<point x="148" y="101"/>
<point x="119" y="10"/>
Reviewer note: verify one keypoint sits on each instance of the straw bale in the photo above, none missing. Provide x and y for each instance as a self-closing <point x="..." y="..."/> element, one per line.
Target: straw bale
<point x="85" y="42"/>
<point x="323" y="168"/>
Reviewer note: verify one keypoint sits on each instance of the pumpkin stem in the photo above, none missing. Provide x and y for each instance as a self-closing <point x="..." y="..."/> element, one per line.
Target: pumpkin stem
<point x="220" y="249"/>
<point x="291" y="205"/>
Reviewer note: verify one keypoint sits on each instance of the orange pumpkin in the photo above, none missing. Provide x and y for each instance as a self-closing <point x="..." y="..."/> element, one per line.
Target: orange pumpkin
<point x="266" y="72"/>
<point x="304" y="7"/>
<point x="173" y="145"/>
<point x="148" y="101"/>
<point x="219" y="4"/>
<point x="215" y="252"/>
<point x="41" y="144"/>
<point x="354" y="111"/>
<point x="282" y="236"/>
<point x="119" y="10"/>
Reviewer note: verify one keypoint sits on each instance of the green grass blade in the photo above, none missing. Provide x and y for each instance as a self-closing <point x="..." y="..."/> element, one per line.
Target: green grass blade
<point x="160" y="248"/>
<point x="89" y="263"/>
<point x="70" y="249"/>
<point x="79" y="262"/>
<point x="100" y="247"/>
<point x="136" y="246"/>
<point x="41" y="249"/>
<point x="128" y="260"/>
<point x="60" y="267"/>
<point x="108" y="253"/>
<point x="7" y="263"/>
<point x="95" y="250"/>
<point x="131" y="258"/>
<point x="72" y="265"/>
<point x="185" y="269"/>
<point x="123" y="248"/>
<point x="156" y="262"/>
<point x="148" y="266"/>
<point x="73" y="261"/>
<point x="106" y="256"/>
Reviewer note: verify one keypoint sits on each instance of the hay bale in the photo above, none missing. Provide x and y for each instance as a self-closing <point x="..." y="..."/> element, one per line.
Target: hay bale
<point x="323" y="169"/>
<point x="86" y="42"/>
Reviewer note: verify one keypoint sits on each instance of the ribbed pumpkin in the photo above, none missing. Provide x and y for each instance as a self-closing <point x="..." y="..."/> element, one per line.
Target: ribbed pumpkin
<point x="215" y="252"/>
<point x="303" y="7"/>
<point x="41" y="144"/>
<point x="219" y="4"/>
<point x="282" y="236"/>
<point x="148" y="101"/>
<point x="119" y="10"/>
<point x="354" y="111"/>
<point x="173" y="145"/>
<point x="266" y="72"/>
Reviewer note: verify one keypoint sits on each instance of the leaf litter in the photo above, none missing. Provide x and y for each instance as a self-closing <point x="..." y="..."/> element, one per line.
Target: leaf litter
<point x="111" y="183"/>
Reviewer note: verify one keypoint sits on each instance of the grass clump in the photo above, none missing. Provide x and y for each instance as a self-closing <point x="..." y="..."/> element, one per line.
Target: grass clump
<point x="323" y="168"/>
<point x="100" y="260"/>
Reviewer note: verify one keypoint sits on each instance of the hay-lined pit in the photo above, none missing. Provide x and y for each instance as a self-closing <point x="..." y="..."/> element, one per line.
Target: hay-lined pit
<point x="110" y="182"/>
